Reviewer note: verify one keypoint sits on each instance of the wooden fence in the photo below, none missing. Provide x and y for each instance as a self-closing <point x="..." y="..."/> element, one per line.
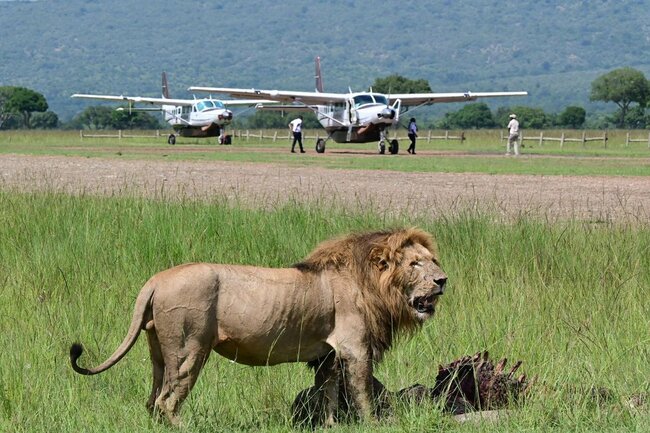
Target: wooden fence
<point x="112" y="134"/>
<point x="629" y="140"/>
<point x="563" y="138"/>
<point x="282" y="134"/>
<point x="583" y="138"/>
<point x="275" y="135"/>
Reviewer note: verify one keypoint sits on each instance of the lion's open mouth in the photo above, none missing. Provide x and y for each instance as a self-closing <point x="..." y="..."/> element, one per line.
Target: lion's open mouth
<point x="425" y="304"/>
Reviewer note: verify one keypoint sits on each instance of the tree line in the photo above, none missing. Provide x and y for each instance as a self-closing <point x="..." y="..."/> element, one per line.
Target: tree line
<point x="628" y="88"/>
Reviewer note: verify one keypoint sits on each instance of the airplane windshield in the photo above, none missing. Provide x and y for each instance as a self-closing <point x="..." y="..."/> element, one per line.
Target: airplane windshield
<point x="370" y="98"/>
<point x="208" y="104"/>
<point x="380" y="99"/>
<point x="360" y="100"/>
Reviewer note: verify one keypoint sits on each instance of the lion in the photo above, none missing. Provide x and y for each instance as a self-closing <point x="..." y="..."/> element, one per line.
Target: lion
<point x="338" y="310"/>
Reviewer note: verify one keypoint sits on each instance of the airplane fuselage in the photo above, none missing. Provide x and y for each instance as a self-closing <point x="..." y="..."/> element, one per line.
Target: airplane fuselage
<point x="205" y="118"/>
<point x="360" y="119"/>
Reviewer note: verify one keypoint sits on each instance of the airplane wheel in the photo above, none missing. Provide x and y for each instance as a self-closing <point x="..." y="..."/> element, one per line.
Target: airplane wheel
<point x="394" y="147"/>
<point x="320" y="146"/>
<point x="382" y="148"/>
<point x="171" y="139"/>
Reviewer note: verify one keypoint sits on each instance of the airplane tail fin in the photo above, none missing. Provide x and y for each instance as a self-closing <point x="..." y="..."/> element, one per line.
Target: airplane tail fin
<point x="319" y="77"/>
<point x="165" y="86"/>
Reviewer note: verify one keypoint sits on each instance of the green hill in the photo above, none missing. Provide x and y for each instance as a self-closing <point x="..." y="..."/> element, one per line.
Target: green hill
<point x="553" y="49"/>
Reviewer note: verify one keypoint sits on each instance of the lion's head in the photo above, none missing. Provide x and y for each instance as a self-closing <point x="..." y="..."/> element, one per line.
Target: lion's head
<point x="398" y="275"/>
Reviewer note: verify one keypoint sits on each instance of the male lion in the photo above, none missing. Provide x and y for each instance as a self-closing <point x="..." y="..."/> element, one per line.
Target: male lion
<point x="337" y="310"/>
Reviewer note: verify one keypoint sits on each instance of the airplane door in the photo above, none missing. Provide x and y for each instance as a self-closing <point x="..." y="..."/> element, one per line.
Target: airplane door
<point x="348" y="111"/>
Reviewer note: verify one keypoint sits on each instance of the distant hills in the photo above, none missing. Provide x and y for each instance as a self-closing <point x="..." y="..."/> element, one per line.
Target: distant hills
<point x="553" y="49"/>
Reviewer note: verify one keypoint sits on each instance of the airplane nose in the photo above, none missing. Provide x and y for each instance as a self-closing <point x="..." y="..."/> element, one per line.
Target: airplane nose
<point x="227" y="115"/>
<point x="387" y="113"/>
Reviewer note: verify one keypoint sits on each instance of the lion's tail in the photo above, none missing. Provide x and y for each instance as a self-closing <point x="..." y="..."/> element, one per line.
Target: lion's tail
<point x="141" y="304"/>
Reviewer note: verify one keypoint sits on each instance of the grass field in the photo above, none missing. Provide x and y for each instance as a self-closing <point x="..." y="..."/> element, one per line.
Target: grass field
<point x="569" y="299"/>
<point x="482" y="152"/>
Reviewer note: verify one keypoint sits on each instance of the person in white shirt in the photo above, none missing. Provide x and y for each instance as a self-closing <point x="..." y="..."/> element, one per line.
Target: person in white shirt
<point x="296" y="127"/>
<point x="513" y="135"/>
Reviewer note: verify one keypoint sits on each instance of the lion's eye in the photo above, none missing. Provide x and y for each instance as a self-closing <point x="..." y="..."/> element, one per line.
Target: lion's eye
<point x="416" y="264"/>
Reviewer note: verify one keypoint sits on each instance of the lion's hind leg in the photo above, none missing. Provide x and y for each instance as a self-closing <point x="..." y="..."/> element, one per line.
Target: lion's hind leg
<point x="158" y="365"/>
<point x="326" y="383"/>
<point x="185" y="352"/>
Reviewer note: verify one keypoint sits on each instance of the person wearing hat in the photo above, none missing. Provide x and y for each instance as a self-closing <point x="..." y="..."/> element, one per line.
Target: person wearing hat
<point x="412" y="133"/>
<point x="513" y="135"/>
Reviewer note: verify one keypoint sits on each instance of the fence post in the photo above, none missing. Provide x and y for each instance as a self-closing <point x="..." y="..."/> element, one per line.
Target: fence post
<point x="541" y="138"/>
<point x="275" y="136"/>
<point x="605" y="139"/>
<point x="119" y="134"/>
<point x="429" y="137"/>
<point x="462" y="137"/>
<point x="446" y="135"/>
<point x="584" y="138"/>
<point x="562" y="140"/>
<point x="627" y="139"/>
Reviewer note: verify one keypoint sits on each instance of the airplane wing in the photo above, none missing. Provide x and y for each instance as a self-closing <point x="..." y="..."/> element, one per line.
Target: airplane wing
<point x="287" y="96"/>
<point x="238" y="102"/>
<point x="410" y="99"/>
<point x="137" y="99"/>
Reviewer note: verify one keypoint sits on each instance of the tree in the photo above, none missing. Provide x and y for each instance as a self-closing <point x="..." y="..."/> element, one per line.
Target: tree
<point x="572" y="117"/>
<point x="476" y="115"/>
<point x="133" y="119"/>
<point x="25" y="101"/>
<point x="276" y="119"/>
<point x="46" y="120"/>
<point x="622" y="86"/>
<point x="528" y="117"/>
<point x="93" y="117"/>
<point x="5" y="112"/>
<point x="398" y="84"/>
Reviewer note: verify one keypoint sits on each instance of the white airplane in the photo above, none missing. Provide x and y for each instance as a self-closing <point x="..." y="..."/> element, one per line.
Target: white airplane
<point x="205" y="117"/>
<point x="353" y="117"/>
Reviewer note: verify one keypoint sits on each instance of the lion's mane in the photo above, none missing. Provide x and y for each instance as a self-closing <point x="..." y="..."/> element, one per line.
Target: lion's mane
<point x="371" y="261"/>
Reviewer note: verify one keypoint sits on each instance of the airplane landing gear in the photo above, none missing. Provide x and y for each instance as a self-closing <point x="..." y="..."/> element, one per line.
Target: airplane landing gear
<point x="320" y="146"/>
<point x="382" y="141"/>
<point x="171" y="139"/>
<point x="393" y="147"/>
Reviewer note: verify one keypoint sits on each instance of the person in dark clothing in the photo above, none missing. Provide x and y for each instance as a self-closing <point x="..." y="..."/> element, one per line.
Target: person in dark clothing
<point x="413" y="133"/>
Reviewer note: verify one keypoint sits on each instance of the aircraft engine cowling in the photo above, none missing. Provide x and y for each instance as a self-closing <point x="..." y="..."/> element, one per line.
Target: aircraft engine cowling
<point x="227" y="115"/>
<point x="387" y="113"/>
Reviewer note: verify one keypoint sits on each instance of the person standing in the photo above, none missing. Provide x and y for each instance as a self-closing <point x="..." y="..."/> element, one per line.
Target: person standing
<point x="513" y="135"/>
<point x="412" y="133"/>
<point x="296" y="127"/>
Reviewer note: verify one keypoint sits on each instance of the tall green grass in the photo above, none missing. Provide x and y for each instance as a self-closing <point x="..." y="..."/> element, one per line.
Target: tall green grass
<point x="570" y="299"/>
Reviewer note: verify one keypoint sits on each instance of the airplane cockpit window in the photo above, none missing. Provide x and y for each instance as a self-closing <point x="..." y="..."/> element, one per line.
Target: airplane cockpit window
<point x="360" y="100"/>
<point x="380" y="99"/>
<point x="208" y="104"/>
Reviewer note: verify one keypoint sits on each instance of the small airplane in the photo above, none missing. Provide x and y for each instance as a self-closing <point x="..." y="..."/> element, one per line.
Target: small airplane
<point x="353" y="117"/>
<point x="205" y="117"/>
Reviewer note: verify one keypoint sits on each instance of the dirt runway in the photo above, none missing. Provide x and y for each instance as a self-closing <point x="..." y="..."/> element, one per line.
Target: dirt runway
<point x="591" y="198"/>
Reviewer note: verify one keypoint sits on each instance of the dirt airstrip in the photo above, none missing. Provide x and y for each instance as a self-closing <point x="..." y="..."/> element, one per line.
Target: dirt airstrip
<point x="591" y="198"/>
